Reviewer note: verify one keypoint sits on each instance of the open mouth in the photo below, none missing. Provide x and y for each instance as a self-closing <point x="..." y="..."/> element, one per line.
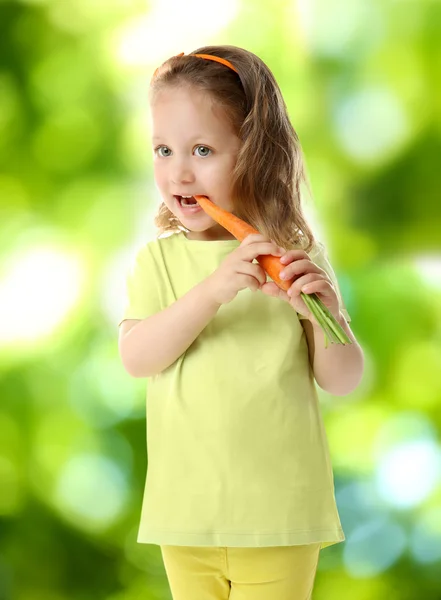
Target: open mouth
<point x="187" y="201"/>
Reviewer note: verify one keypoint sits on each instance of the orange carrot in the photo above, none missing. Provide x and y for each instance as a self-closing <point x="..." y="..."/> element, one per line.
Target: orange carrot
<point x="240" y="229"/>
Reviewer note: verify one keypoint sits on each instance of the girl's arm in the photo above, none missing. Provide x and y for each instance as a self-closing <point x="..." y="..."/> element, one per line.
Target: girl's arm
<point x="338" y="369"/>
<point x="149" y="346"/>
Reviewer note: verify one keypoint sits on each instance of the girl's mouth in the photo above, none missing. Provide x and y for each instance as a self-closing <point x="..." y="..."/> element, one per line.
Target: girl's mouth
<point x="188" y="205"/>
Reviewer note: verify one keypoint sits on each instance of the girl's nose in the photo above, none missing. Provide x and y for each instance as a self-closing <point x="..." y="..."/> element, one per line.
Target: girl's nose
<point x="181" y="172"/>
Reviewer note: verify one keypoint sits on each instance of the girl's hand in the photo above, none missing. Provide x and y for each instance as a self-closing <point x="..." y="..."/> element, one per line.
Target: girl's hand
<point x="238" y="271"/>
<point x="298" y="266"/>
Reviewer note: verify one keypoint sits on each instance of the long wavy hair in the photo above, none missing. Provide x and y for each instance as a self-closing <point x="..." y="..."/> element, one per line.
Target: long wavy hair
<point x="269" y="170"/>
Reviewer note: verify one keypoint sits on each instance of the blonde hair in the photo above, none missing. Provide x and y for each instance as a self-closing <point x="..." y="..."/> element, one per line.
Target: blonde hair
<point x="269" y="170"/>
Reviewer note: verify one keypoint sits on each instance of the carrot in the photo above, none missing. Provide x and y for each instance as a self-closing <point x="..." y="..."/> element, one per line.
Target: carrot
<point x="272" y="266"/>
<point x="240" y="229"/>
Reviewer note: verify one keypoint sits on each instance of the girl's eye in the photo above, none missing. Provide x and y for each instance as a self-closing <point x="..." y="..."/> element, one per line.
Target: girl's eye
<point x="206" y="151"/>
<point x="159" y="148"/>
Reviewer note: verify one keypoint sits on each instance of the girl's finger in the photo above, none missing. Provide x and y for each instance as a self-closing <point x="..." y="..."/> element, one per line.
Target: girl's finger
<point x="321" y="286"/>
<point x="310" y="279"/>
<point x="299" y="267"/>
<point x="293" y="255"/>
<point x="272" y="289"/>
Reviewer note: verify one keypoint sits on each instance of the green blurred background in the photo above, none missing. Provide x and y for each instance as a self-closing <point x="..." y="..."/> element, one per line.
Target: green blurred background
<point x="362" y="82"/>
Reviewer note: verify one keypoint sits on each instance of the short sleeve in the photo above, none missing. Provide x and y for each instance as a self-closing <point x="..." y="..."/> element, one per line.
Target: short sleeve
<point x="319" y="256"/>
<point x="142" y="298"/>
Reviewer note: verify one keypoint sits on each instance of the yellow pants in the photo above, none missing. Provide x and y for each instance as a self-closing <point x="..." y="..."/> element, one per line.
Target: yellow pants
<point x="213" y="573"/>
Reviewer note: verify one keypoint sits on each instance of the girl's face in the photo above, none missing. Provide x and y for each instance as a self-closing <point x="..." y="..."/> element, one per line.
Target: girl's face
<point x="195" y="150"/>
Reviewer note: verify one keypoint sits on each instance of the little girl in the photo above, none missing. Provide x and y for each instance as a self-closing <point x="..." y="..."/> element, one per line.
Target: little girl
<point x="239" y="491"/>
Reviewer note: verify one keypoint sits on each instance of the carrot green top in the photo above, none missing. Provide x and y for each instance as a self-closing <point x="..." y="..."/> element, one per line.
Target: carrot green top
<point x="237" y="450"/>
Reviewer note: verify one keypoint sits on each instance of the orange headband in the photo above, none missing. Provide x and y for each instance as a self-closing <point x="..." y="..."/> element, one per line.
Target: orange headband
<point x="208" y="57"/>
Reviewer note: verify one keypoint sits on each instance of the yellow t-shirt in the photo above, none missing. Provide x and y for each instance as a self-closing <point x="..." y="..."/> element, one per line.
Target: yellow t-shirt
<point x="237" y="451"/>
